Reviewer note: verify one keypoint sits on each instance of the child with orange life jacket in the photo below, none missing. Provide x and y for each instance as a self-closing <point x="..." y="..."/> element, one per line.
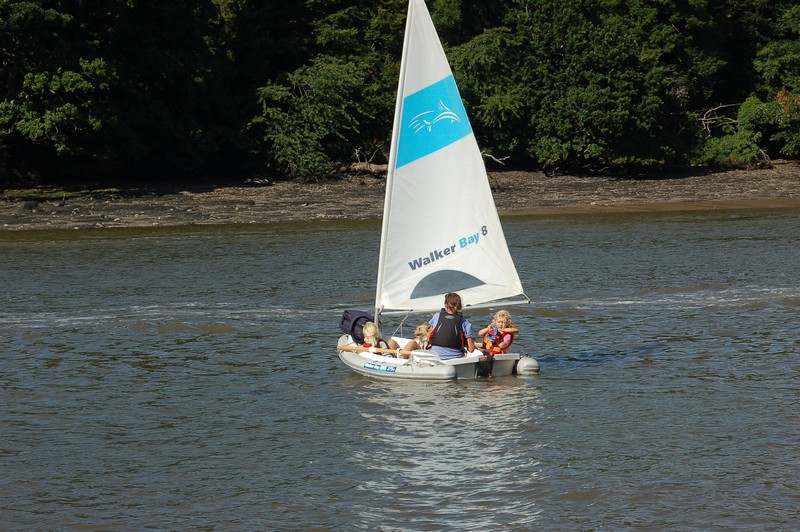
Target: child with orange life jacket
<point x="498" y="336"/>
<point x="372" y="338"/>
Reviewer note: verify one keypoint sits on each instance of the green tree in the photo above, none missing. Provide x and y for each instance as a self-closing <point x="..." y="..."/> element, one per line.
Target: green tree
<point x="340" y="106"/>
<point x="598" y="82"/>
<point x="307" y="121"/>
<point x="187" y="88"/>
<point x="567" y="84"/>
<point x="167" y="56"/>
<point x="768" y="122"/>
<point x="778" y="63"/>
<point x="109" y="86"/>
<point x="139" y="89"/>
<point x="263" y="41"/>
<point x="55" y="86"/>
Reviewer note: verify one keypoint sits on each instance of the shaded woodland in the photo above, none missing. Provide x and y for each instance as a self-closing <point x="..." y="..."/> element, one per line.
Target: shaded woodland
<point x="133" y="90"/>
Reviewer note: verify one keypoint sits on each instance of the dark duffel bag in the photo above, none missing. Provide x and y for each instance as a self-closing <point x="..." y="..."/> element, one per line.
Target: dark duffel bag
<point x="352" y="323"/>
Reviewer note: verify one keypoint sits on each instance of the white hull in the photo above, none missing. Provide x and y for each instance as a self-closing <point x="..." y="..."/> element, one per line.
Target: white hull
<point x="467" y="367"/>
<point x="427" y="366"/>
<point x="390" y="368"/>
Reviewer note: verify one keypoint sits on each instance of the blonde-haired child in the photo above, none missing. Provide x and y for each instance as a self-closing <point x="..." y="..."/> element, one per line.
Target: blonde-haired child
<point x="498" y="336"/>
<point x="372" y="338"/>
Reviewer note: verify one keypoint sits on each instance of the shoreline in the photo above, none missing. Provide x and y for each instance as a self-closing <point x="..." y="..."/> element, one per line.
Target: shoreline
<point x="360" y="197"/>
<point x="681" y="206"/>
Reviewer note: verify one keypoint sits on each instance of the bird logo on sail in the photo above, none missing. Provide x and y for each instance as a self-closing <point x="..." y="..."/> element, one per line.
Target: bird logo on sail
<point x="432" y="119"/>
<point x="423" y="121"/>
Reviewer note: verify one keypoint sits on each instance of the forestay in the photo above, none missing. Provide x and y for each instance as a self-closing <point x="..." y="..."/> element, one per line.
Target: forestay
<point x="441" y="231"/>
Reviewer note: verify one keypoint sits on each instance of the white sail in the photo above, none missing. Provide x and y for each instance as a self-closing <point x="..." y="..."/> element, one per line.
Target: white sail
<point x="441" y="232"/>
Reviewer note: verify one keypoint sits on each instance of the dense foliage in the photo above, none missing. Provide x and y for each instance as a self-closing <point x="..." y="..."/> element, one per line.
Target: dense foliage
<point x="110" y="89"/>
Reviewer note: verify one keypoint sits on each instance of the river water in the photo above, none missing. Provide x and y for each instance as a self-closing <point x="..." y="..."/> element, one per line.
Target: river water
<point x="186" y="378"/>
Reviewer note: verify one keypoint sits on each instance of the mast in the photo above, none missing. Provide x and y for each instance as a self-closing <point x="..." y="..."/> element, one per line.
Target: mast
<point x="387" y="202"/>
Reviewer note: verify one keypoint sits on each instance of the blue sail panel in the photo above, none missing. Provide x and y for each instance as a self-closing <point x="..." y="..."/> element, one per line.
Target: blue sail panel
<point x="433" y="118"/>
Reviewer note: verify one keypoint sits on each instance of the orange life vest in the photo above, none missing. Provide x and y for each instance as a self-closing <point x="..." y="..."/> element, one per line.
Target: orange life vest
<point x="491" y="341"/>
<point x="382" y="344"/>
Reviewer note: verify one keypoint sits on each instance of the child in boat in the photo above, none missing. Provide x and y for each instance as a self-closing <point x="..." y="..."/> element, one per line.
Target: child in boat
<point x="498" y="336"/>
<point x="372" y="338"/>
<point x="420" y="340"/>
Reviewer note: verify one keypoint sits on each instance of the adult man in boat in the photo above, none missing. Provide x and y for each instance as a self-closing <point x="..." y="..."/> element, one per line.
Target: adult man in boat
<point x="450" y="331"/>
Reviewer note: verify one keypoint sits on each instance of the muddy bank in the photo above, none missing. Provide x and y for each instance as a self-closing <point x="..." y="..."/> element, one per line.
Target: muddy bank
<point x="361" y="197"/>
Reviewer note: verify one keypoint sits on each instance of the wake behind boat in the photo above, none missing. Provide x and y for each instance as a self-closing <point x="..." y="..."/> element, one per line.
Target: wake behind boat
<point x="453" y="242"/>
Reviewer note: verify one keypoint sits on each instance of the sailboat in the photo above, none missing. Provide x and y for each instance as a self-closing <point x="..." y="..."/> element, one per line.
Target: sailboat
<point x="441" y="231"/>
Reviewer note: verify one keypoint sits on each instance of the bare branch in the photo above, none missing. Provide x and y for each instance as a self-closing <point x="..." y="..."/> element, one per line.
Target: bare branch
<point x="711" y="119"/>
<point x="495" y="159"/>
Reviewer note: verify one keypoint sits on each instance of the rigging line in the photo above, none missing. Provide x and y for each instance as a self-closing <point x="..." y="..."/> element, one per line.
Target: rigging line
<point x="400" y="326"/>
